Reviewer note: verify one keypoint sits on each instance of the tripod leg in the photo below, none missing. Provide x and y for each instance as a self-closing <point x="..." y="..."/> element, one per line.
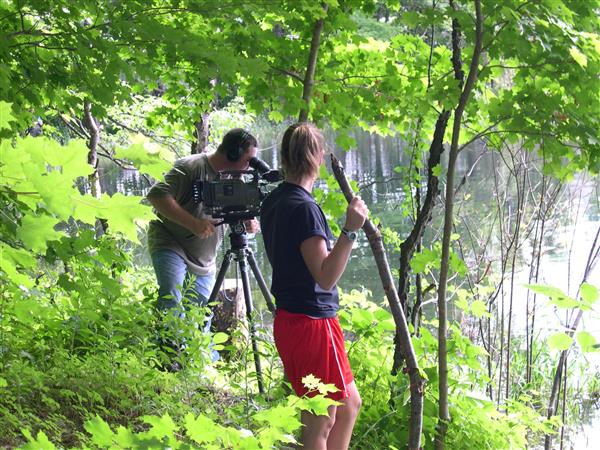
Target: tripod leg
<point x="221" y="276"/>
<point x="249" y="315"/>
<point x="260" y="280"/>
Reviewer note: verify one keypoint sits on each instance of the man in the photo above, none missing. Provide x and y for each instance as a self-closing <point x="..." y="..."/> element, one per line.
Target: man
<point x="183" y="241"/>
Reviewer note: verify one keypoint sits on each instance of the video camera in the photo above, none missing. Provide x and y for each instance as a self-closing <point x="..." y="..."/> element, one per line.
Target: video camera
<point x="236" y="194"/>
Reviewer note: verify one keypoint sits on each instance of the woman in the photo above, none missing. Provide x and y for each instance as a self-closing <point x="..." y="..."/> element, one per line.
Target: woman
<point x="305" y="270"/>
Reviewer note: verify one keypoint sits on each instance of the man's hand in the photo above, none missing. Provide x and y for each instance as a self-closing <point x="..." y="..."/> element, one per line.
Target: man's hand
<point x="203" y="227"/>
<point x="252" y="226"/>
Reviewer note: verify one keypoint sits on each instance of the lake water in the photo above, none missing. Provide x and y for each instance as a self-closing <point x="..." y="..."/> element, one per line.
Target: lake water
<point x="487" y="193"/>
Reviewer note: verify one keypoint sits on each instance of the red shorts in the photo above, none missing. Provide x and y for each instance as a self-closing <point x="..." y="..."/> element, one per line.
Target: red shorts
<point x="314" y="346"/>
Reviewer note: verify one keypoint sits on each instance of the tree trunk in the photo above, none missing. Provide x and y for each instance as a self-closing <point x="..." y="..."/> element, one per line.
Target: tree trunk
<point x="309" y="77"/>
<point x="94" y="130"/>
<point x="443" y="411"/>
<point x="202" y="132"/>
<point x="91" y="126"/>
<point x="402" y="331"/>
<point x="517" y="232"/>
<point x="229" y="314"/>
<point x="408" y="246"/>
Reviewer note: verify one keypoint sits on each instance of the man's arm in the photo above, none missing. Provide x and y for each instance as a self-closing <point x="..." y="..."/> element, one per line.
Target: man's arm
<point x="168" y="207"/>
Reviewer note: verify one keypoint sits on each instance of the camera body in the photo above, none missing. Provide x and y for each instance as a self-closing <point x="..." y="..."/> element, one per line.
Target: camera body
<point x="236" y="194"/>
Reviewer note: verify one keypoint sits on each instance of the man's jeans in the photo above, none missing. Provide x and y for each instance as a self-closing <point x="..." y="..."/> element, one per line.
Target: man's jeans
<point x="172" y="274"/>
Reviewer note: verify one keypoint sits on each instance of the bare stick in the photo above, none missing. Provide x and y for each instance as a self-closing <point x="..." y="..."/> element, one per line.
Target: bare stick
<point x="402" y="331"/>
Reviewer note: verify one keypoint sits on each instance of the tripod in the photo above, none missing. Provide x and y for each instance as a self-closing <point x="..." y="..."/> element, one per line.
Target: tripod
<point x="243" y="255"/>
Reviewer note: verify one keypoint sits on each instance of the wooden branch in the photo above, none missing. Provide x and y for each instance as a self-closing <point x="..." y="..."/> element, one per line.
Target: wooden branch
<point x="402" y="331"/>
<point x="443" y="407"/>
<point x="309" y="78"/>
<point x="459" y="73"/>
<point x="469" y="172"/>
<point x="289" y="73"/>
<point x="408" y="246"/>
<point x="480" y="134"/>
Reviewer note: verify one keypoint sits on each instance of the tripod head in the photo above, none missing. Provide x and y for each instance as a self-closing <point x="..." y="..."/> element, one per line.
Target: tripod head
<point x="238" y="238"/>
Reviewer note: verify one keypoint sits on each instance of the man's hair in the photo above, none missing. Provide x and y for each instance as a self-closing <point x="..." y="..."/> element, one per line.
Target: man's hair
<point x="235" y="143"/>
<point x="301" y="150"/>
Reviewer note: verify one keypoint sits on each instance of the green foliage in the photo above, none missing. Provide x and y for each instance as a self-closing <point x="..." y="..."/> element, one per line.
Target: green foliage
<point x="332" y="201"/>
<point x="383" y="422"/>
<point x="588" y="296"/>
<point x="38" y="183"/>
<point x="40" y="441"/>
<point x="6" y="117"/>
<point x="76" y="339"/>
<point x="201" y="430"/>
<point x="559" y="341"/>
<point x="427" y="259"/>
<point x="147" y="157"/>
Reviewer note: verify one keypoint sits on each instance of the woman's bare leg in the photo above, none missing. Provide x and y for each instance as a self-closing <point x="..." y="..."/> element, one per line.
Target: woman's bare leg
<point x="316" y="429"/>
<point x="345" y="416"/>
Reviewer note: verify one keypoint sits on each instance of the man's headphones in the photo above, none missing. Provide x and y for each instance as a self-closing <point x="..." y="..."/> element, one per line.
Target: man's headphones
<point x="235" y="152"/>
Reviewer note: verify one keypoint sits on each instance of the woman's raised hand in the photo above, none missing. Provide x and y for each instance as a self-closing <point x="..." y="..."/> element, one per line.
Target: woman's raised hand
<point x="356" y="214"/>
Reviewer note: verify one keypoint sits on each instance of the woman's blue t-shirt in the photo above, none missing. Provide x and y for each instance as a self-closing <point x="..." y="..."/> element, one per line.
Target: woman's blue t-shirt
<point x="289" y="215"/>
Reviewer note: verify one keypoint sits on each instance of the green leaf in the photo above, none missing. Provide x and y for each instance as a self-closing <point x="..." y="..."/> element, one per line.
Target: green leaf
<point x="421" y="262"/>
<point x="40" y="442"/>
<point x="437" y="170"/>
<point x="161" y="427"/>
<point x="411" y="18"/>
<point x="125" y="437"/>
<point x="589" y="293"/>
<point x="282" y="417"/>
<point x="72" y="159"/>
<point x="318" y="405"/>
<point x="462" y="303"/>
<point x="147" y="156"/>
<point x="276" y="116"/>
<point x="220" y="338"/>
<point x="110" y="285"/>
<point x="457" y="264"/>
<point x="36" y="231"/>
<point x="587" y="342"/>
<point x="123" y="213"/>
<point x="579" y="57"/>
<point x="6" y="116"/>
<point x="345" y="141"/>
<point x="101" y="433"/>
<point x="479" y="308"/>
<point x="557" y="297"/>
<point x="559" y="341"/>
<point x="201" y="429"/>
<point x="362" y="318"/>
<point x="12" y="259"/>
<point x="86" y="208"/>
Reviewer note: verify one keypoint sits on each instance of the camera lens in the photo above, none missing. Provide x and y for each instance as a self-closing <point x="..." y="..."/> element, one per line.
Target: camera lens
<point x="259" y="165"/>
